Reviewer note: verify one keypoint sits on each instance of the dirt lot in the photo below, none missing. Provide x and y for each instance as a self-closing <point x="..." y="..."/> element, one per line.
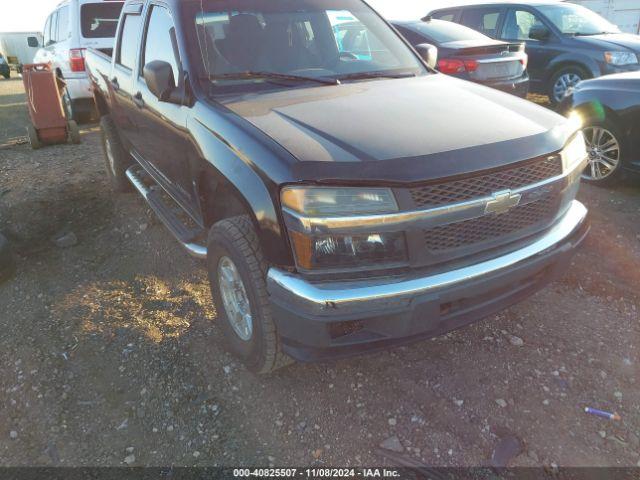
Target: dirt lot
<point x="110" y="352"/>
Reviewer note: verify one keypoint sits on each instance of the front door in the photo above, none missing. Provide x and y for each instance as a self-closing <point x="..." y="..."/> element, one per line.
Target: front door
<point x="162" y="141"/>
<point x="516" y="28"/>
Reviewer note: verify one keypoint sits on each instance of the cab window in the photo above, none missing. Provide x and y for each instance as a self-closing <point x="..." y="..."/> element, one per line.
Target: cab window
<point x="158" y="45"/>
<point x="518" y="24"/>
<point x="127" y="46"/>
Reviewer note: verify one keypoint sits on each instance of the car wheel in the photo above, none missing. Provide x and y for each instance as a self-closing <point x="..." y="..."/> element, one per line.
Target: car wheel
<point x="605" y="154"/>
<point x="69" y="106"/>
<point x="563" y="81"/>
<point x="117" y="160"/>
<point x="237" y="275"/>
<point x="74" y="132"/>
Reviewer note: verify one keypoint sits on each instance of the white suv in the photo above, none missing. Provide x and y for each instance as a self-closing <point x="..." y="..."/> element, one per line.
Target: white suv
<point x="74" y="26"/>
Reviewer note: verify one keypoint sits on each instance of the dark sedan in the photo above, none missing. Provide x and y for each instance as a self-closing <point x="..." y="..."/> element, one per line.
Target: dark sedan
<point x="467" y="54"/>
<point x="609" y="108"/>
<point x="566" y="43"/>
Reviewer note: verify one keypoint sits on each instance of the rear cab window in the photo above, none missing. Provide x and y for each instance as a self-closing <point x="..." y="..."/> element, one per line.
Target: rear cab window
<point x="447" y="15"/>
<point x="128" y="44"/>
<point x="485" y="20"/>
<point x="100" y="20"/>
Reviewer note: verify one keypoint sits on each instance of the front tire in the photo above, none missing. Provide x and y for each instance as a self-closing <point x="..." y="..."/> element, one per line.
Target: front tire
<point x="605" y="153"/>
<point x="237" y="275"/>
<point x="563" y="81"/>
<point x="117" y="160"/>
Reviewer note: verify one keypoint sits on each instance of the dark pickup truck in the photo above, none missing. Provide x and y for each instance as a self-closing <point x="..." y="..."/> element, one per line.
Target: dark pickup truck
<point x="343" y="203"/>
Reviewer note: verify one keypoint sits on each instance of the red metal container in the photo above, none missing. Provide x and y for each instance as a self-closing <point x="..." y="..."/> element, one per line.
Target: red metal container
<point x="49" y="123"/>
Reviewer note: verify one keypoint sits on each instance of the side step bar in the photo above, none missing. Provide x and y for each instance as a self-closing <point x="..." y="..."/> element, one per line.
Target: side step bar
<point x="179" y="230"/>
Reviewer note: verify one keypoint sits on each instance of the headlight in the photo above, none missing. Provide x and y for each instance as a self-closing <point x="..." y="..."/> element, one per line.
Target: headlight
<point x="574" y="153"/>
<point x="338" y="202"/>
<point x="322" y="251"/>
<point x="620" y="58"/>
<point x="334" y="252"/>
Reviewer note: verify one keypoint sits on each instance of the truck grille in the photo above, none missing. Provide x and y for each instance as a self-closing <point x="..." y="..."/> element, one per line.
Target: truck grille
<point x="485" y="185"/>
<point x="491" y="227"/>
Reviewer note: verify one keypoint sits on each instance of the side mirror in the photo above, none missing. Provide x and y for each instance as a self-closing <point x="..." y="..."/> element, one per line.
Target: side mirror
<point x="160" y="79"/>
<point x="429" y="54"/>
<point x="540" y="33"/>
<point x="33" y="42"/>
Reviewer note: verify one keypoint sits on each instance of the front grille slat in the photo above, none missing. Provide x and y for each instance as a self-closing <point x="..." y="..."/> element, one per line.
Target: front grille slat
<point x="456" y="191"/>
<point x="489" y="227"/>
<point x="469" y="237"/>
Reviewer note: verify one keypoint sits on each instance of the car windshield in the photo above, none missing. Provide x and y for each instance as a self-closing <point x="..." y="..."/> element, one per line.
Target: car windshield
<point x="442" y="32"/>
<point x="308" y="39"/>
<point x="577" y="20"/>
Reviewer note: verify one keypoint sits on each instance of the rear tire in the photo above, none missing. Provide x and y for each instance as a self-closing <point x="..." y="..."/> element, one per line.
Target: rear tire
<point x="237" y="275"/>
<point x="34" y="140"/>
<point x="117" y="160"/>
<point x="74" y="132"/>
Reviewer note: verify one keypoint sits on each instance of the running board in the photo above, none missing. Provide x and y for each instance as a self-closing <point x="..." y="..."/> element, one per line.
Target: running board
<point x="183" y="234"/>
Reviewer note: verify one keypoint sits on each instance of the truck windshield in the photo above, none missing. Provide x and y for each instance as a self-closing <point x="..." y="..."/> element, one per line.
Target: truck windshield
<point x="577" y="20"/>
<point x="340" y="40"/>
<point x="100" y="20"/>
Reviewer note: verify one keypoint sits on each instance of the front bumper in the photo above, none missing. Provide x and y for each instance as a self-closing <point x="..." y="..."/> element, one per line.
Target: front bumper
<point x="317" y="321"/>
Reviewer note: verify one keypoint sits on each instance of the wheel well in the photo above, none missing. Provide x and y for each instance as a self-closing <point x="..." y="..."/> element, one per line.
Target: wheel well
<point x="566" y="64"/>
<point x="101" y="104"/>
<point x="219" y="200"/>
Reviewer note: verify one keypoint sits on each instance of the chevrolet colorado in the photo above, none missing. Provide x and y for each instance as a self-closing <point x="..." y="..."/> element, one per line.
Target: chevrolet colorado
<point x="343" y="203"/>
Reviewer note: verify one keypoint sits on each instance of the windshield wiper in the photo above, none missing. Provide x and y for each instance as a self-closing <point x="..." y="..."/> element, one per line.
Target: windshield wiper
<point x="273" y="75"/>
<point x="366" y="75"/>
<point x="589" y="34"/>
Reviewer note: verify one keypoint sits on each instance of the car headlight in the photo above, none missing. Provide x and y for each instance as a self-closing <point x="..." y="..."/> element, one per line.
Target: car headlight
<point x="620" y="58"/>
<point x="337" y="202"/>
<point x="325" y="251"/>
<point x="574" y="153"/>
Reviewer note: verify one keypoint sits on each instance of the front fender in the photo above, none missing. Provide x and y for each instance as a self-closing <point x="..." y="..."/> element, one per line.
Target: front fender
<point x="242" y="161"/>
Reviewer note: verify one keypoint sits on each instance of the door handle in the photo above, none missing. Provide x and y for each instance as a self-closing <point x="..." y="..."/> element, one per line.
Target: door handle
<point x="137" y="99"/>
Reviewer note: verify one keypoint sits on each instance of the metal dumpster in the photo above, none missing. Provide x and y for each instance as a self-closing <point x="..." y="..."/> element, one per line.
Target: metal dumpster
<point x="49" y="124"/>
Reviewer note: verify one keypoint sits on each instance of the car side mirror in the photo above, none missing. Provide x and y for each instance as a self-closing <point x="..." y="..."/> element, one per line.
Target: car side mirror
<point x="160" y="79"/>
<point x="540" y="33"/>
<point x="33" y="42"/>
<point x="429" y="53"/>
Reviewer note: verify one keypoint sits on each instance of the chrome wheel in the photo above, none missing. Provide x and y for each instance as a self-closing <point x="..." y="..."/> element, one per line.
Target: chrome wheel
<point x="604" y="153"/>
<point x="563" y="84"/>
<point x="234" y="298"/>
<point x="110" y="158"/>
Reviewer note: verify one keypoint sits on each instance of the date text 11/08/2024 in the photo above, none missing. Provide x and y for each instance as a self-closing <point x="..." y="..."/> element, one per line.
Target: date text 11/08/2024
<point x="316" y="472"/>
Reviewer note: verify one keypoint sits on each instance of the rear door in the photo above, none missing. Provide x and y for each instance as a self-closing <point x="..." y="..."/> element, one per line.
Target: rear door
<point x="484" y="19"/>
<point x="162" y="141"/>
<point x="516" y="28"/>
<point x="120" y="84"/>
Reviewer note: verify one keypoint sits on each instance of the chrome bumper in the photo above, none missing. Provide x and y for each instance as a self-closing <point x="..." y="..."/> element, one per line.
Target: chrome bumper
<point x="366" y="296"/>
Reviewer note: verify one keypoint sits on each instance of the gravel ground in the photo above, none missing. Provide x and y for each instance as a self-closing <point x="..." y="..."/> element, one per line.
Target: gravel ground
<point x="110" y="353"/>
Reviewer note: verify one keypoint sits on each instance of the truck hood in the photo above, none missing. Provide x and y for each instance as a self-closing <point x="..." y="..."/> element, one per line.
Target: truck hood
<point x="612" y="40"/>
<point x="424" y="125"/>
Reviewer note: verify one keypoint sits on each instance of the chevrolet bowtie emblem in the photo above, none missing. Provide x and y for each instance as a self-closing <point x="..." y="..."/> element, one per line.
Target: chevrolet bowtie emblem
<point x="502" y="202"/>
